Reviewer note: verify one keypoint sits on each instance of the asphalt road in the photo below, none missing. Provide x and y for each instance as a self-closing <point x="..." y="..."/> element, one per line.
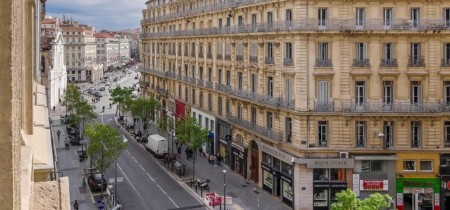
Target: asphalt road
<point x="145" y="184"/>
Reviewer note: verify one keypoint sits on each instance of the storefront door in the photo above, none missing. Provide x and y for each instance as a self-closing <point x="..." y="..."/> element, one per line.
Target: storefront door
<point x="254" y="167"/>
<point x="418" y="201"/>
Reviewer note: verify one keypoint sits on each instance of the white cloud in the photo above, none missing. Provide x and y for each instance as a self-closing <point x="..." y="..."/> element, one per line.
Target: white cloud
<point x="102" y="14"/>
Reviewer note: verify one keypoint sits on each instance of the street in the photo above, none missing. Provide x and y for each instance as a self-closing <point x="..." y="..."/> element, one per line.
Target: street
<point x="145" y="184"/>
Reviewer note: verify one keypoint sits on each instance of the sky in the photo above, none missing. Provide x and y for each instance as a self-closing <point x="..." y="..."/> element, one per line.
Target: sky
<point x="101" y="14"/>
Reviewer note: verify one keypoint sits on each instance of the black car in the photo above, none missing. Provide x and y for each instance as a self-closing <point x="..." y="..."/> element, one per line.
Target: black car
<point x="95" y="182"/>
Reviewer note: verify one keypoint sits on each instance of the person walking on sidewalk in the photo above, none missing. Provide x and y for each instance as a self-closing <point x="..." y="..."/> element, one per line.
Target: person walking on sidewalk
<point x="75" y="205"/>
<point x="218" y="158"/>
<point x="58" y="133"/>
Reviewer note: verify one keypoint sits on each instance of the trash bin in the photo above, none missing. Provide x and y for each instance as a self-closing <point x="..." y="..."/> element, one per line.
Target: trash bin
<point x="179" y="168"/>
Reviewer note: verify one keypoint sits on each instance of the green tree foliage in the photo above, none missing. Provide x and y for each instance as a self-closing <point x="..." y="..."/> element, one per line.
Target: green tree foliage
<point x="189" y="132"/>
<point x="121" y="97"/>
<point x="144" y="109"/>
<point x="71" y="97"/>
<point x="347" y="200"/>
<point x="79" y="108"/>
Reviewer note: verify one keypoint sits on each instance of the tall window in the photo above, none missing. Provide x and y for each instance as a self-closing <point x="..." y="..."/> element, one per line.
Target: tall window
<point x="240" y="20"/>
<point x="388" y="131"/>
<point x="447" y="94"/>
<point x="210" y="102"/>
<point x="239" y="80"/>
<point x="253" y="116"/>
<point x="269" y="53"/>
<point x="322" y="50"/>
<point x="288" y="129"/>
<point x="447" y="133"/>
<point x="227" y="106"/>
<point x="228" y="78"/>
<point x="387" y="17"/>
<point x="254" y="80"/>
<point x="447" y="17"/>
<point x="361" y="51"/>
<point x="200" y="72"/>
<point x="416" y="134"/>
<point x="200" y="100"/>
<point x="219" y="76"/>
<point x="446" y="59"/>
<point x="288" y="89"/>
<point x="415" y="17"/>
<point x="288" y="54"/>
<point x="220" y="23"/>
<point x="360" y="134"/>
<point x="239" y="111"/>
<point x="388" y="54"/>
<point x="219" y="105"/>
<point x="270" y="86"/>
<point x="416" y="93"/>
<point x="269" y="119"/>
<point x="322" y="18"/>
<point x="253" y="21"/>
<point x="193" y="96"/>
<point x="387" y="94"/>
<point x="322" y="95"/>
<point x="209" y="74"/>
<point x="288" y="17"/>
<point x="269" y="20"/>
<point x="416" y="54"/>
<point x="360" y="17"/>
<point x="322" y="133"/>
<point x="360" y="93"/>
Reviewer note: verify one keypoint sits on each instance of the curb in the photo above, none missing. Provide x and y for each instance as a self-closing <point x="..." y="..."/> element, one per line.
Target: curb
<point x="181" y="181"/>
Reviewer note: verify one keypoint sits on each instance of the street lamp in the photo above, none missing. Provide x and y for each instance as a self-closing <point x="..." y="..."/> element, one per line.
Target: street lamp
<point x="224" y="200"/>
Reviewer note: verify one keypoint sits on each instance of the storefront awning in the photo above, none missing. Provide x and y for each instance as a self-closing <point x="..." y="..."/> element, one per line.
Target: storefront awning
<point x="376" y="157"/>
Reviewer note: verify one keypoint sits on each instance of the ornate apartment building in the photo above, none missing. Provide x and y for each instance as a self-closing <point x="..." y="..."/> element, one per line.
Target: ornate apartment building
<point x="307" y="98"/>
<point x="81" y="52"/>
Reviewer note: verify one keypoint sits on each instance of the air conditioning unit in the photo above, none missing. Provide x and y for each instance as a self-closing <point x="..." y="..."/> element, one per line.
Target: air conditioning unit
<point x="343" y="154"/>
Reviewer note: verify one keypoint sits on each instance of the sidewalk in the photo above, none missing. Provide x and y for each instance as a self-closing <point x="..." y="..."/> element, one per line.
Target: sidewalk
<point x="244" y="194"/>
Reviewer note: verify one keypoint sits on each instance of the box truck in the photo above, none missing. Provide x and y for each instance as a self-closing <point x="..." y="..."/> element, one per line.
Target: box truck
<point x="157" y="145"/>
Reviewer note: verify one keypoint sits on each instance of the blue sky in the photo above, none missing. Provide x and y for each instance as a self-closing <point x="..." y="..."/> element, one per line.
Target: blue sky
<point x="102" y="14"/>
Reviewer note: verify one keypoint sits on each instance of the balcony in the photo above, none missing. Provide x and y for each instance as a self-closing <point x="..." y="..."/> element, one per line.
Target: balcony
<point x="253" y="59"/>
<point x="208" y="84"/>
<point x="264" y="132"/>
<point x="445" y="62"/>
<point x="192" y="80"/>
<point x="396" y="107"/>
<point x="287" y="103"/>
<point x="269" y="60"/>
<point x="162" y="91"/>
<point x="288" y="62"/>
<point x="179" y="76"/>
<point x="417" y="62"/>
<point x="200" y="82"/>
<point x="323" y="63"/>
<point x="171" y="75"/>
<point x="193" y="54"/>
<point x="227" y="57"/>
<point x="219" y="57"/>
<point x="185" y="53"/>
<point x="388" y="62"/>
<point x="209" y="55"/>
<point x="185" y="78"/>
<point x="154" y="72"/>
<point x="239" y="58"/>
<point x="361" y="62"/>
<point x="324" y="106"/>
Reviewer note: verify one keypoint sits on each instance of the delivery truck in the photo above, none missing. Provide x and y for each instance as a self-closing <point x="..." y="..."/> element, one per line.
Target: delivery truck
<point x="157" y="145"/>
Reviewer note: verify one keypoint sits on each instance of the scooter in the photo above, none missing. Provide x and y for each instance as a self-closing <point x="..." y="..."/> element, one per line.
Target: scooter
<point x="203" y="185"/>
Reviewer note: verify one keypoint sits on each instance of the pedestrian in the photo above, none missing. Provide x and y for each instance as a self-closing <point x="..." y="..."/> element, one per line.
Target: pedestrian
<point x="54" y="108"/>
<point x="58" y="133"/>
<point x="75" y="205"/>
<point x="179" y="150"/>
<point x="211" y="159"/>
<point x="219" y="159"/>
<point x="200" y="151"/>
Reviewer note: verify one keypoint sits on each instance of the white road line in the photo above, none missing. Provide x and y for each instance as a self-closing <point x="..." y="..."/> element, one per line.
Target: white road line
<point x="131" y="156"/>
<point x="164" y="192"/>
<point x="134" y="188"/>
<point x="142" y="167"/>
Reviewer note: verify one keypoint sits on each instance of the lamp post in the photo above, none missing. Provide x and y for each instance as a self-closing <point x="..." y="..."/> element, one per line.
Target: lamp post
<point x="224" y="181"/>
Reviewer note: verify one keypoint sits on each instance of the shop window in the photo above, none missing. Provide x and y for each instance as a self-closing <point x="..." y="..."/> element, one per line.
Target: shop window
<point x="368" y="166"/>
<point x="337" y="174"/>
<point x="426" y="165"/>
<point x="276" y="164"/>
<point x="324" y="174"/>
<point x="286" y="168"/>
<point x="409" y="165"/>
<point x="266" y="159"/>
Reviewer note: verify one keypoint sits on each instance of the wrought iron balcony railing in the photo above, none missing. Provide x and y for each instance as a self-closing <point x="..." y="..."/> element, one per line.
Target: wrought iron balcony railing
<point x="361" y="62"/>
<point x="185" y="78"/>
<point x="171" y="75"/>
<point x="253" y="59"/>
<point x="200" y="54"/>
<point x="227" y="57"/>
<point x="154" y="72"/>
<point x="209" y="84"/>
<point x="262" y="131"/>
<point x="219" y="57"/>
<point x="324" y="106"/>
<point x="419" y="62"/>
<point x="446" y="62"/>
<point x="388" y="62"/>
<point x="239" y="58"/>
<point x="323" y="63"/>
<point x="192" y="80"/>
<point x="400" y="107"/>
<point x="288" y="61"/>
<point x="269" y="60"/>
<point x="200" y="82"/>
<point x="209" y="55"/>
<point x="179" y="77"/>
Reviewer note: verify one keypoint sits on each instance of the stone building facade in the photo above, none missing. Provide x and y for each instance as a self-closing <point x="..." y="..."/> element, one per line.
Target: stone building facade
<point x="27" y="161"/>
<point x="319" y="96"/>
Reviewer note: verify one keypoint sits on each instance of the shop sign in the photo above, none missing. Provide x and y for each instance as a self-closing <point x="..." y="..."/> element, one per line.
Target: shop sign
<point x="329" y="163"/>
<point x="355" y="185"/>
<point x="285" y="157"/>
<point x="378" y="185"/>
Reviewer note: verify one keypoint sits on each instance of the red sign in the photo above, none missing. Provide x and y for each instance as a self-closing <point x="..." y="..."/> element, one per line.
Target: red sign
<point x="378" y="185"/>
<point x="179" y="109"/>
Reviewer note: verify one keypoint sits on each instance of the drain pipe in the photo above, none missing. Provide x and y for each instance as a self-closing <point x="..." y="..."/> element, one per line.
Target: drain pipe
<point x="307" y="80"/>
<point x="37" y="47"/>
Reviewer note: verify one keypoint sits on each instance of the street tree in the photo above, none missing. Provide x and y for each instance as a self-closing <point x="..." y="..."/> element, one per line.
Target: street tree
<point x="71" y="97"/>
<point x="84" y="111"/>
<point x="144" y="109"/>
<point x="189" y="132"/>
<point x="121" y="97"/>
<point x="105" y="145"/>
<point x="347" y="200"/>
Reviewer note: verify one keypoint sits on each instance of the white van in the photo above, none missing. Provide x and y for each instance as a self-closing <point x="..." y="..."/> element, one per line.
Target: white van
<point x="157" y="145"/>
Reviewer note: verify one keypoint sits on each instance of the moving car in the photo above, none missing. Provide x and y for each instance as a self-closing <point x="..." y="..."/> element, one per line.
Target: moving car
<point x="95" y="182"/>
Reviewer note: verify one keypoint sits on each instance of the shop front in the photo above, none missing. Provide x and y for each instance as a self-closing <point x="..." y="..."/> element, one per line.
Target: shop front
<point x="277" y="173"/>
<point x="239" y="156"/>
<point x="444" y="171"/>
<point x="418" y="193"/>
<point x="206" y="121"/>
<point x="330" y="176"/>
<point x="223" y="141"/>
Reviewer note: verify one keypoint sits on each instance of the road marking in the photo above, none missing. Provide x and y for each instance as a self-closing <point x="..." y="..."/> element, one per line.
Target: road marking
<point x="134" y="188"/>
<point x="164" y="192"/>
<point x="142" y="167"/>
<point x="131" y="156"/>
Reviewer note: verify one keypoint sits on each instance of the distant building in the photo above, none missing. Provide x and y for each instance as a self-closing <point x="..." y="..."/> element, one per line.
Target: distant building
<point x="81" y="53"/>
<point x="53" y="72"/>
<point x="107" y="50"/>
<point x="124" y="49"/>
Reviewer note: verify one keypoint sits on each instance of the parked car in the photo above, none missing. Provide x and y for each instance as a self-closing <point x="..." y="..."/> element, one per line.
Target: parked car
<point x="136" y="77"/>
<point x="107" y="83"/>
<point x="102" y="89"/>
<point x="95" y="182"/>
